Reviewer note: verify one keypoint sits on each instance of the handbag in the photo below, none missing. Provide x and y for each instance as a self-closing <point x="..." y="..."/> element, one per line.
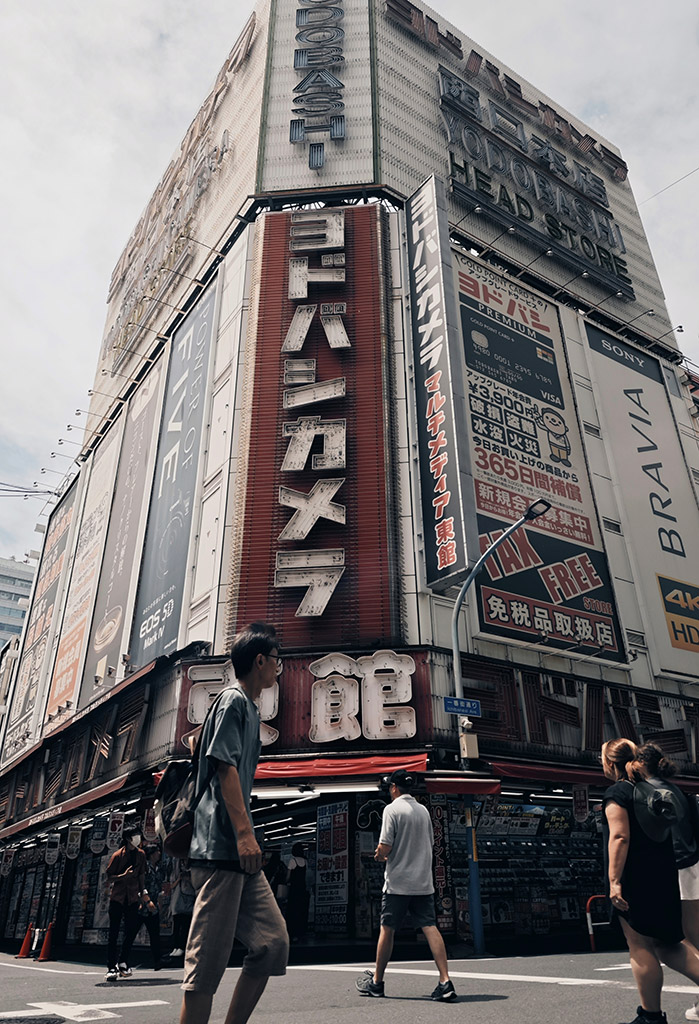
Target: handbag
<point x="176" y="800"/>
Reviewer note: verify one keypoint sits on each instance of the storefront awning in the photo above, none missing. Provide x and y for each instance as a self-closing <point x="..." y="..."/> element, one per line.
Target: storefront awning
<point x="549" y="773"/>
<point x="462" y="785"/>
<point x="60" y="810"/>
<point x="330" y="767"/>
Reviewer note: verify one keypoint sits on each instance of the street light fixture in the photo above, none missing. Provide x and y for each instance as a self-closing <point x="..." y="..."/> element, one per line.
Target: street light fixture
<point x="536" y="509"/>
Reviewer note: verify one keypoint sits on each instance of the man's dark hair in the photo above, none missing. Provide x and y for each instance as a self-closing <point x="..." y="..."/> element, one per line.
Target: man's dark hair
<point x="257" y="638"/>
<point x="400" y="778"/>
<point x="150" y="849"/>
<point x="130" y="832"/>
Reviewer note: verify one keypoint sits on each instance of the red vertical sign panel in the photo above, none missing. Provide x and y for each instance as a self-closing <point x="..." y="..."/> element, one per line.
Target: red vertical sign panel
<point x="344" y="389"/>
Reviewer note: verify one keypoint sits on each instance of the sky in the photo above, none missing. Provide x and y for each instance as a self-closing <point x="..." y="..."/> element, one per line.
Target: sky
<point x="98" y="95"/>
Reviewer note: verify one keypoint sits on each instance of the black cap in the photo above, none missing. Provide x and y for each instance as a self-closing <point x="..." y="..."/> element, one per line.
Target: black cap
<point x="400" y="778"/>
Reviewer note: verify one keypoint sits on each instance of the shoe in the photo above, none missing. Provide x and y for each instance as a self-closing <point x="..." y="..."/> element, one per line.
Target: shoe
<point x="643" y="1018"/>
<point x="444" y="992"/>
<point x="125" y="971"/>
<point x="177" y="952"/>
<point x="692" y="1013"/>
<point x="112" y="974"/>
<point x="366" y="986"/>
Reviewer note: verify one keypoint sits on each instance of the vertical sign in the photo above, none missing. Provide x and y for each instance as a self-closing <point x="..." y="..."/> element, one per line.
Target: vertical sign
<point x="42" y="616"/>
<point x="98" y="834"/>
<point x="550" y="582"/>
<point x="115" y="830"/>
<point x="332" y="866"/>
<point x="130" y="495"/>
<point x="159" y="598"/>
<point x="73" y="842"/>
<point x="65" y="682"/>
<point x="438" y="385"/>
<point x="318" y="550"/>
<point x="662" y="519"/>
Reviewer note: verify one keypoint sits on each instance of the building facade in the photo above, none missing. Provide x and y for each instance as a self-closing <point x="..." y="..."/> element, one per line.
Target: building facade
<point x="385" y="296"/>
<point x="15" y="587"/>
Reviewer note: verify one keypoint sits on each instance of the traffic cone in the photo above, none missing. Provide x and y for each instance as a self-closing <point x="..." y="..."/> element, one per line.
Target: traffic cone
<point x="26" y="949"/>
<point x="45" y="953"/>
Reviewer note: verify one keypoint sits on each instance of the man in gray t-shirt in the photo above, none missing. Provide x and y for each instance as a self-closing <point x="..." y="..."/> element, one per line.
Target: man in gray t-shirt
<point x="233" y="899"/>
<point x="405" y="846"/>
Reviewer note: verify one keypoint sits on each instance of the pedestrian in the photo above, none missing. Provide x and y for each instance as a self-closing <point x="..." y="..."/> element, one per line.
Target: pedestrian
<point x="642" y="879"/>
<point x="181" y="906"/>
<point x="234" y="899"/>
<point x="405" y="846"/>
<point x="297" y="905"/>
<point x="126" y="872"/>
<point x="149" y="908"/>
<point x="659" y="769"/>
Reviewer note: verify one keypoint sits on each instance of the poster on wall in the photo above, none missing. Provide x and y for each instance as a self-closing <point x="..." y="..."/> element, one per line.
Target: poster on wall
<point x="65" y="682"/>
<point x="159" y="598"/>
<point x="42" y="616"/>
<point x="332" y="867"/>
<point x="550" y="582"/>
<point x="661" y="517"/>
<point x="130" y="494"/>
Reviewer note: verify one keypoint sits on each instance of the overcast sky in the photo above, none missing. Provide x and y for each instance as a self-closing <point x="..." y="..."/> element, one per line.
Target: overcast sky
<point x="97" y="96"/>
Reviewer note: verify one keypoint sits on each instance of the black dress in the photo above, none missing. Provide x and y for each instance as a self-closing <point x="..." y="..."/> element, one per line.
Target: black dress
<point x="649" y="881"/>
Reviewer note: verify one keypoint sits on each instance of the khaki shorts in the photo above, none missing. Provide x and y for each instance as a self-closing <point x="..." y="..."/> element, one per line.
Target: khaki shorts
<point x="231" y="905"/>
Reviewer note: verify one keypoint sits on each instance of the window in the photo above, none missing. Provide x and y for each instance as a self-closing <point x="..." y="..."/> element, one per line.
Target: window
<point x="590" y="428"/>
<point x="611" y="525"/>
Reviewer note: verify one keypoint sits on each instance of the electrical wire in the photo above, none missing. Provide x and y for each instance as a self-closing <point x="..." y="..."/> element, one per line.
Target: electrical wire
<point x="669" y="186"/>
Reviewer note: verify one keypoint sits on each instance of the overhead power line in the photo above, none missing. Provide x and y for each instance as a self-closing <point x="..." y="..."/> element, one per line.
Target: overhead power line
<point x="669" y="186"/>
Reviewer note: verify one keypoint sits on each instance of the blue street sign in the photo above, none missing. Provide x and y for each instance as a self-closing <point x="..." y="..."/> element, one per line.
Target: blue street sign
<point x="462" y="706"/>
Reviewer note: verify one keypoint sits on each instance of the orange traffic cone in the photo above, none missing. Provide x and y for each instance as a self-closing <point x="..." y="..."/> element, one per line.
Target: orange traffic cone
<point x="26" y="949"/>
<point x="45" y="953"/>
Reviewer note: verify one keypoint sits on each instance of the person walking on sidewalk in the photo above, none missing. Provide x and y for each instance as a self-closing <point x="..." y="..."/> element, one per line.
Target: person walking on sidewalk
<point x="149" y="909"/>
<point x="405" y="846"/>
<point x="234" y="899"/>
<point x="642" y="877"/>
<point x="126" y="872"/>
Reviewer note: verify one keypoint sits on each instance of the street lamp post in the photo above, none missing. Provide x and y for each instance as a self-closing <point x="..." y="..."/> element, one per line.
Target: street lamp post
<point x="536" y="509"/>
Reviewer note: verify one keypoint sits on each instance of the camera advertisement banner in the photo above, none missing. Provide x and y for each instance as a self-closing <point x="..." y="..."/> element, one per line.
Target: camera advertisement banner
<point x="65" y="682"/>
<point x="42" y="616"/>
<point x="661" y="517"/>
<point x="130" y="493"/>
<point x="550" y="582"/>
<point x="159" y="598"/>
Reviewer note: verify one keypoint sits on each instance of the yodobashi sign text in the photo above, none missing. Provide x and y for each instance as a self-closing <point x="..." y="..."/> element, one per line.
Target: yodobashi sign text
<point x="438" y="388"/>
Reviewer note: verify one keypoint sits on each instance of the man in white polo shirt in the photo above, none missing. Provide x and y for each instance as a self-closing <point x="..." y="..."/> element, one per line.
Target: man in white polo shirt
<point x="405" y="846"/>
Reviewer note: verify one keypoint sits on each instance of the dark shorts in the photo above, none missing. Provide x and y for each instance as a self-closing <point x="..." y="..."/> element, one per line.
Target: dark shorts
<point x="394" y="907"/>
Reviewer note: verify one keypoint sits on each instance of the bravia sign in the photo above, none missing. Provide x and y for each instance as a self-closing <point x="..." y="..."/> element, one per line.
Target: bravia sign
<point x="661" y="517"/>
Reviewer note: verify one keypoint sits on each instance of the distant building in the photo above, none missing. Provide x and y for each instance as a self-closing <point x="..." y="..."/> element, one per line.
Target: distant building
<point x="15" y="585"/>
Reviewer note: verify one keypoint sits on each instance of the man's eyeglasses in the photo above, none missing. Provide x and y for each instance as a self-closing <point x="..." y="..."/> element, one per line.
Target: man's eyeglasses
<point x="279" y="661"/>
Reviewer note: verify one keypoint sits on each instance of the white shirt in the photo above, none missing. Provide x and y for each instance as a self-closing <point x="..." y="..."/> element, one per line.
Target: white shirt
<point x="407" y="828"/>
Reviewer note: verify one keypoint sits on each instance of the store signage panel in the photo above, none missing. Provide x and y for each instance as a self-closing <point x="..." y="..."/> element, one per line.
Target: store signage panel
<point x="159" y="598"/>
<point x="439" y="388"/>
<point x="334" y="701"/>
<point x="315" y="545"/>
<point x="332" y="866"/>
<point x="318" y="126"/>
<point x="550" y="582"/>
<point x="661" y="515"/>
<point x="130" y="495"/>
<point x="43" y="615"/>
<point x="65" y="682"/>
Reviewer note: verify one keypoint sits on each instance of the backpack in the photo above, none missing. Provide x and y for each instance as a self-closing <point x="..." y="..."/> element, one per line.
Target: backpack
<point x="176" y="800"/>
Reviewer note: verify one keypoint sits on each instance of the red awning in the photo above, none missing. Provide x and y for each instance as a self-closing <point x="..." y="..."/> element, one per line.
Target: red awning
<point x="60" y="810"/>
<point x="549" y="773"/>
<point x="462" y="786"/>
<point x="316" y="767"/>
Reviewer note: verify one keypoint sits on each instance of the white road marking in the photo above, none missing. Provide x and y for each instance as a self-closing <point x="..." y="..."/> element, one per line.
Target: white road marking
<point x="492" y="976"/>
<point x="79" y="1011"/>
<point x="48" y="970"/>
<point x="616" y="967"/>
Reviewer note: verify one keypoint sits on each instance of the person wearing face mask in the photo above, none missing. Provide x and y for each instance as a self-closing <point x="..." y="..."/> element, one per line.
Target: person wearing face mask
<point x="126" y="872"/>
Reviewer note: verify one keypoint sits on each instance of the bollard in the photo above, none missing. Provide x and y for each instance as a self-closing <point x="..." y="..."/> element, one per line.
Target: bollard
<point x="25" y="951"/>
<point x="45" y="953"/>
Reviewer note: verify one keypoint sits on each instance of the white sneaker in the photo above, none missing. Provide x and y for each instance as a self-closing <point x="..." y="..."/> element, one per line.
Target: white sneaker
<point x="693" y="1012"/>
<point x="125" y="971"/>
<point x="112" y="974"/>
<point x="180" y="952"/>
